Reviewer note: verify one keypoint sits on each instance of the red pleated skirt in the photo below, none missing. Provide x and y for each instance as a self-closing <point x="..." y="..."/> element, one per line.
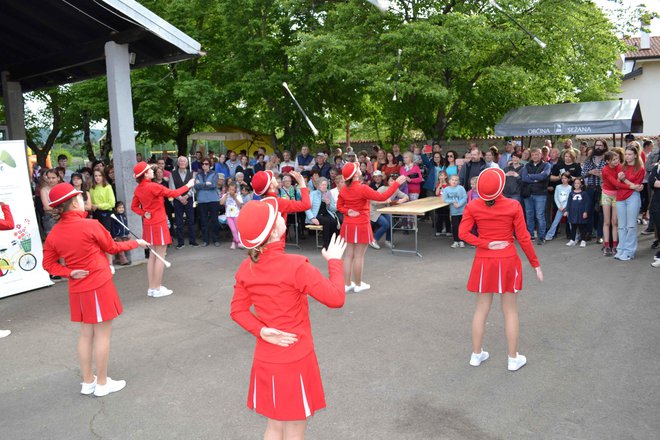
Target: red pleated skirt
<point x="495" y="275"/>
<point x="357" y="233"/>
<point x="157" y="234"/>
<point x="99" y="305"/>
<point x="289" y="391"/>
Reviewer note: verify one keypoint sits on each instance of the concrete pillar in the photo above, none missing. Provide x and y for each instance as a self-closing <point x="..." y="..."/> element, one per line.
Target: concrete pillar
<point x="122" y="130"/>
<point x="12" y="95"/>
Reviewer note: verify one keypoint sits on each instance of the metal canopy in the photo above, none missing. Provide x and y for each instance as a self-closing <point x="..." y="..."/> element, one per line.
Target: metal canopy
<point x="599" y="117"/>
<point x="44" y="43"/>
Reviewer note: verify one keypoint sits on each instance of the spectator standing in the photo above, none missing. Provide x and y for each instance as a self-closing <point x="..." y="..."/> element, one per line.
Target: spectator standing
<point x="246" y="170"/>
<point x="536" y="174"/>
<point x="472" y="168"/>
<point x="304" y="161"/>
<point x="591" y="172"/>
<point x="433" y="165"/>
<point x="221" y="165"/>
<point x="120" y="233"/>
<point x="513" y="183"/>
<point x="79" y="185"/>
<point x="103" y="200"/>
<point x="455" y="195"/>
<point x="233" y="203"/>
<point x="450" y="163"/>
<point x="63" y="162"/>
<point x="48" y="180"/>
<point x="208" y="200"/>
<point x="384" y="221"/>
<point x="577" y="211"/>
<point x="232" y="164"/>
<point x="654" y="208"/>
<point x="561" y="195"/>
<point x="505" y="157"/>
<point x="628" y="202"/>
<point x="442" y="215"/>
<point x="183" y="204"/>
<point x="610" y="175"/>
<point x="287" y="164"/>
<point x="197" y="163"/>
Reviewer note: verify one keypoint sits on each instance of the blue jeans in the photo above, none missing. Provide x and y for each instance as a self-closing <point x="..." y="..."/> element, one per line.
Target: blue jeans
<point x="535" y="210"/>
<point x="627" y="211"/>
<point x="383" y="223"/>
<point x="555" y="224"/>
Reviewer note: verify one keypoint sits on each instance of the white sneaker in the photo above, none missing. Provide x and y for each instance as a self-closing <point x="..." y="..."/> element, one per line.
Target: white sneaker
<point x="163" y="291"/>
<point x="349" y="287"/>
<point x="477" y="358"/>
<point x="571" y="243"/>
<point x="111" y="386"/>
<point x="88" y="388"/>
<point x="656" y="263"/>
<point x="517" y="362"/>
<point x="583" y="243"/>
<point x="461" y="244"/>
<point x="233" y="246"/>
<point x="361" y="287"/>
<point x="374" y="244"/>
<point x="388" y="244"/>
<point x="455" y="245"/>
<point x="150" y="292"/>
<point x="112" y="269"/>
<point x="4" y="333"/>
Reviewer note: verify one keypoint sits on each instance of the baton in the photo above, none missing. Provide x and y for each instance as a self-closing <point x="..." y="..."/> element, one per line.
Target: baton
<point x="314" y="130"/>
<point x="153" y="251"/>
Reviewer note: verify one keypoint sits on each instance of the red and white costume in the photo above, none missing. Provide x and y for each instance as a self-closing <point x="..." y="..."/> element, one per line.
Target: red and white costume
<point x="7" y="223"/>
<point x="83" y="243"/>
<point x="149" y="197"/>
<point x="357" y="197"/>
<point x="285" y="382"/>
<point x="495" y="271"/>
<point x="261" y="185"/>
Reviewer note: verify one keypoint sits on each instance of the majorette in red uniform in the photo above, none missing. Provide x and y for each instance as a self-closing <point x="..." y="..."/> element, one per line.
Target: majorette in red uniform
<point x="285" y="382"/>
<point x="496" y="267"/>
<point x="83" y="243"/>
<point x="356" y="197"/>
<point x="148" y="198"/>
<point x="264" y="184"/>
<point x="7" y="223"/>
<point x="353" y="202"/>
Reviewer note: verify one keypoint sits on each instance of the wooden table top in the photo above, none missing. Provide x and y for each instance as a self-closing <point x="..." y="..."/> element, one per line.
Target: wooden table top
<point x="416" y="207"/>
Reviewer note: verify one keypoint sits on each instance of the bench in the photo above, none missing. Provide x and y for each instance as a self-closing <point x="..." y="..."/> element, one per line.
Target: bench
<point x="316" y="229"/>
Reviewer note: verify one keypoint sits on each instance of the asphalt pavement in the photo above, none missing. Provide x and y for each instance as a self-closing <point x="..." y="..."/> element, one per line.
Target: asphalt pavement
<point x="394" y="359"/>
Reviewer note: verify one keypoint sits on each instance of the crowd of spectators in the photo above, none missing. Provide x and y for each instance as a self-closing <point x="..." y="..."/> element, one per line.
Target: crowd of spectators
<point x="590" y="193"/>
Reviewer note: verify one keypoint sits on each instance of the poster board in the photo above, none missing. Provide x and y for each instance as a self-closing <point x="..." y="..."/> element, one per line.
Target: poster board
<point x="21" y="250"/>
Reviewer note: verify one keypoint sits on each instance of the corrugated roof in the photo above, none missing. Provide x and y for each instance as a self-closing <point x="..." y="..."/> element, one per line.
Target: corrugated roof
<point x="653" y="52"/>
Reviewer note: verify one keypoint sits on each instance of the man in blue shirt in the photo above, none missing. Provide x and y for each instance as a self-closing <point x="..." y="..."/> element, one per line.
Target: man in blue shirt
<point x="536" y="175"/>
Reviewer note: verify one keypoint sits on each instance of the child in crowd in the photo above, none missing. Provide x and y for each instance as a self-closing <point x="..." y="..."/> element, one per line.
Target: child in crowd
<point x="120" y="233"/>
<point x="246" y="193"/>
<point x="610" y="173"/>
<point x="233" y="202"/>
<point x="473" y="193"/>
<point x="442" y="214"/>
<point x="577" y="211"/>
<point x="455" y="195"/>
<point x="366" y="175"/>
<point x="562" y="193"/>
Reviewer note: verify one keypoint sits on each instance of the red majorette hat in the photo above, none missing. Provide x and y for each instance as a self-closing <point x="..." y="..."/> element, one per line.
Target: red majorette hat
<point x="256" y="221"/>
<point x="349" y="170"/>
<point x="61" y="193"/>
<point x="490" y="183"/>
<point x="261" y="182"/>
<point x="140" y="169"/>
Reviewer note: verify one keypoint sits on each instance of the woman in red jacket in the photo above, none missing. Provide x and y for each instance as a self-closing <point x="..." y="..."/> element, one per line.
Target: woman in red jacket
<point x="285" y="381"/>
<point x="628" y="201"/>
<point x="148" y="203"/>
<point x="83" y="244"/>
<point x="353" y="202"/>
<point x="496" y="267"/>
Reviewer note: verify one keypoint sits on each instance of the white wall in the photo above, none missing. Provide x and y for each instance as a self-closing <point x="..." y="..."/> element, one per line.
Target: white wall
<point x="646" y="88"/>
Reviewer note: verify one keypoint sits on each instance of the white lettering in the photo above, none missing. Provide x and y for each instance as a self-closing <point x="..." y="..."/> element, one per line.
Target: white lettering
<point x="579" y="129"/>
<point x="538" y="131"/>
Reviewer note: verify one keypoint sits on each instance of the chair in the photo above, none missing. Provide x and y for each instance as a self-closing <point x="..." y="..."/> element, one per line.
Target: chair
<point x="316" y="229"/>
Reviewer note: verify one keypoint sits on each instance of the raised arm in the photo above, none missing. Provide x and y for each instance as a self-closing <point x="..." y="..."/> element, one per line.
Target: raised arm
<point x="371" y="194"/>
<point x="328" y="291"/>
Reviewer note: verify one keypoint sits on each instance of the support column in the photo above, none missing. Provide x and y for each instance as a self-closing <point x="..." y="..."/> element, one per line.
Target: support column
<point x="122" y="130"/>
<point x="12" y="94"/>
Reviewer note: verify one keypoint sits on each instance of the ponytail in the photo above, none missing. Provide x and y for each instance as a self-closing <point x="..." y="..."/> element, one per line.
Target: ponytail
<point x="255" y="253"/>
